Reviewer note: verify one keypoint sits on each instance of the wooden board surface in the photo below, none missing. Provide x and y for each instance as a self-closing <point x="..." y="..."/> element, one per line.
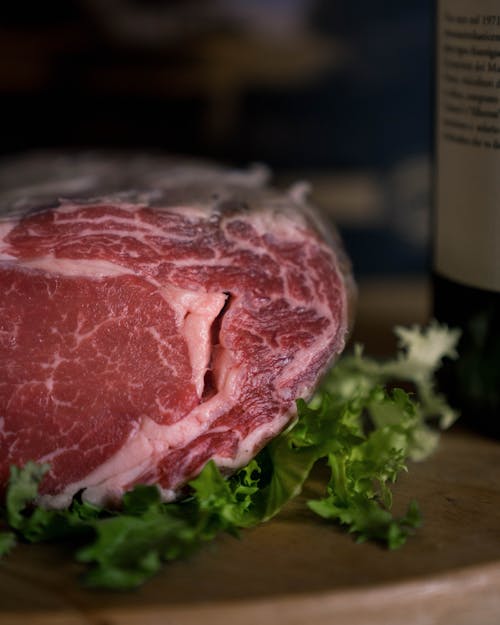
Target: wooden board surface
<point x="298" y="569"/>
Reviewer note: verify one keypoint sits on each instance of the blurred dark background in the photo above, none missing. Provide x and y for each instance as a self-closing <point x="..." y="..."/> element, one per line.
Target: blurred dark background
<point x="336" y="92"/>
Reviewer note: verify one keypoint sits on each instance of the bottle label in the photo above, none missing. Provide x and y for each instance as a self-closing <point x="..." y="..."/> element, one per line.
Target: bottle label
<point x="467" y="242"/>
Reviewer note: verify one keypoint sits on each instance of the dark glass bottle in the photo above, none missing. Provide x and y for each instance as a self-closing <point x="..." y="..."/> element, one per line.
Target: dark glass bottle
<point x="466" y="272"/>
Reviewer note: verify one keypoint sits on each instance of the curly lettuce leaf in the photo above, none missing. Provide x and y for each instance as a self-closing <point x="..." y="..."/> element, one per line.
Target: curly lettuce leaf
<point x="7" y="542"/>
<point x="421" y="353"/>
<point x="363" y="427"/>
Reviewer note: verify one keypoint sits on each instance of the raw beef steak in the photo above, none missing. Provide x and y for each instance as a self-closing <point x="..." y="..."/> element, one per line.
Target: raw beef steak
<point x="145" y="333"/>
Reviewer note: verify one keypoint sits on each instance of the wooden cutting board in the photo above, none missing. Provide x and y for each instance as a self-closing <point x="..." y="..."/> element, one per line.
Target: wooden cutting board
<point x="299" y="569"/>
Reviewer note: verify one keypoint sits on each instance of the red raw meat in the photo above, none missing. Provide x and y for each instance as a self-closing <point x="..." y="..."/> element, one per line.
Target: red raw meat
<point x="143" y="334"/>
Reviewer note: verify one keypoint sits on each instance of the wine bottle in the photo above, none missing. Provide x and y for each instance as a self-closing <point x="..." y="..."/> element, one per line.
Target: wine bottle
<point x="466" y="272"/>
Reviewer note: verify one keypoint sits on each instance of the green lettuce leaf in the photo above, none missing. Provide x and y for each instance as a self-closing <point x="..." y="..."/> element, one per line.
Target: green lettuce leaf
<point x="7" y="542"/>
<point x="359" y="424"/>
